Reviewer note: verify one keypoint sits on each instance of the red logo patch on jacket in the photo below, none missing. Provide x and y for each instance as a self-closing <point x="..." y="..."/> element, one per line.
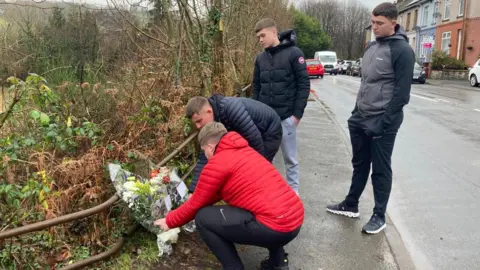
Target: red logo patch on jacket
<point x="301" y="60"/>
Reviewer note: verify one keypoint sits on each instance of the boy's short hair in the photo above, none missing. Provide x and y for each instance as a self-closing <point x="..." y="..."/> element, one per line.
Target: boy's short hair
<point x="264" y="23"/>
<point x="386" y="9"/>
<point x="195" y="105"/>
<point x="211" y="133"/>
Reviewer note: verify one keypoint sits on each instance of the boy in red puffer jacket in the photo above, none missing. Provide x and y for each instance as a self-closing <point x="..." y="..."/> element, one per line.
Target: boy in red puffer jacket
<point x="263" y="210"/>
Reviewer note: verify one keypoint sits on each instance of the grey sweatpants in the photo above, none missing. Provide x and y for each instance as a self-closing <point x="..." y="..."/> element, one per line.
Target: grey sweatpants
<point x="289" y="151"/>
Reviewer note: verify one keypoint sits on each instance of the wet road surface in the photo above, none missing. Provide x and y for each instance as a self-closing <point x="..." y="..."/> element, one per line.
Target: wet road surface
<point x="436" y="167"/>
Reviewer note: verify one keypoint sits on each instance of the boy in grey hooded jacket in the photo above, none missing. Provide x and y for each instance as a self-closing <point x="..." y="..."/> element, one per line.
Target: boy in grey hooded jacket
<point x="387" y="71"/>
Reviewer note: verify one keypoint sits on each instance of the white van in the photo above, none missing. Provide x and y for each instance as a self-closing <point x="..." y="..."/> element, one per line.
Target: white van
<point x="328" y="60"/>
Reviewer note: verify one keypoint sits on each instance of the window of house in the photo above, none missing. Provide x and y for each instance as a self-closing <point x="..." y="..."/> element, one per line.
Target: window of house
<point x="461" y="7"/>
<point x="415" y="18"/>
<point x="408" y="21"/>
<point x="436" y="10"/>
<point x="425" y="16"/>
<point x="446" y="42"/>
<point x="446" y="10"/>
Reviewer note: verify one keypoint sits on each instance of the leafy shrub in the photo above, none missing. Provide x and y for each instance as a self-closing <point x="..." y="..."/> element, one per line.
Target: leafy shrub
<point x="443" y="61"/>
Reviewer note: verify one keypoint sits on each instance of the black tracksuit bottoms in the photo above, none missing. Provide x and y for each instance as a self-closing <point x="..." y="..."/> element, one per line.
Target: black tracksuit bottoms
<point x="220" y="226"/>
<point x="377" y="152"/>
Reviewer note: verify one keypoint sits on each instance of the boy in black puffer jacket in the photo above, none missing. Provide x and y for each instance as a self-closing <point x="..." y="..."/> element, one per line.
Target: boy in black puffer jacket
<point x="258" y="123"/>
<point x="280" y="80"/>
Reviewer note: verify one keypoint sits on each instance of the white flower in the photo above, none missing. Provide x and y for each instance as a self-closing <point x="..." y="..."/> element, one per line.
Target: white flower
<point x="130" y="186"/>
<point x="128" y="197"/>
<point x="165" y="241"/>
<point x="147" y="209"/>
<point x="170" y="236"/>
<point x="156" y="181"/>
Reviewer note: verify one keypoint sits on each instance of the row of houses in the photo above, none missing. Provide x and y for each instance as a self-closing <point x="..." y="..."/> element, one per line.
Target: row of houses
<point x="452" y="26"/>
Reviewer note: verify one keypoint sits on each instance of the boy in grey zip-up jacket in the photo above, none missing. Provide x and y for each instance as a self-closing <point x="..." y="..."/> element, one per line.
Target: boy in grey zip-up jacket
<point x="387" y="71"/>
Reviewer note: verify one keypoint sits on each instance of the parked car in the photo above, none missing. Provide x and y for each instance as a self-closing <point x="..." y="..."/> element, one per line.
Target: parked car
<point x="344" y="67"/>
<point x="419" y="74"/>
<point x="357" y="68"/>
<point x="337" y="69"/>
<point x="315" y="68"/>
<point x="348" y="71"/>
<point x="474" y="74"/>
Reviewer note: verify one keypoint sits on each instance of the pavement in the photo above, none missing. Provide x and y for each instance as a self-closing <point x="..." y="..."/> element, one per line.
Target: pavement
<point x="458" y="84"/>
<point x="436" y="169"/>
<point x="328" y="241"/>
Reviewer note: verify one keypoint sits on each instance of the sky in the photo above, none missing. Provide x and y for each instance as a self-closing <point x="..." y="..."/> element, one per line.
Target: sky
<point x="372" y="3"/>
<point x="369" y="3"/>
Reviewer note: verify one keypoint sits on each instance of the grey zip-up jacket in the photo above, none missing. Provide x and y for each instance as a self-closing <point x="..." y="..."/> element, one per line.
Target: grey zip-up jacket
<point x="387" y="71"/>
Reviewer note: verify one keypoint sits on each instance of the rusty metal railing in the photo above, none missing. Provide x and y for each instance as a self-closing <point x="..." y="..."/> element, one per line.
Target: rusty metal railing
<point x="99" y="208"/>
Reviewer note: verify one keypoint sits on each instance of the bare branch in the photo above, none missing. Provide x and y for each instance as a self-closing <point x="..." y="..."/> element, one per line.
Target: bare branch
<point x="136" y="27"/>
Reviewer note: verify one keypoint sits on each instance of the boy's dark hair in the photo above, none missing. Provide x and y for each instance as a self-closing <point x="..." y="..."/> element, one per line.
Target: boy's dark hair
<point x="264" y="23"/>
<point x="387" y="10"/>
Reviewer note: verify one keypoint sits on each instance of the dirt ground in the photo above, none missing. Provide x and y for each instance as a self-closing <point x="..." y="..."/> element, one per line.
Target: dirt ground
<point x="190" y="253"/>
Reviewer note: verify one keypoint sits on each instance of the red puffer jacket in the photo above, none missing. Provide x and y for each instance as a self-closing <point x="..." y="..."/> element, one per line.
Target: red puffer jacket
<point x="243" y="178"/>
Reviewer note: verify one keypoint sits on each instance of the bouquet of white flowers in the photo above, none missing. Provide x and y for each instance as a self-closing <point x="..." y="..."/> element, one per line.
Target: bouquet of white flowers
<point x="151" y="199"/>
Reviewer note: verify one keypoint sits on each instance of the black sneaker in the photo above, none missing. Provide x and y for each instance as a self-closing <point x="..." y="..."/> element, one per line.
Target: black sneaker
<point x="375" y="225"/>
<point x="268" y="265"/>
<point x="344" y="210"/>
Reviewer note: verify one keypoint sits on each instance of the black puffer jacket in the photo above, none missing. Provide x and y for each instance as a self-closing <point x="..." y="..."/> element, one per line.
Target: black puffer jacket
<point x="281" y="79"/>
<point x="255" y="121"/>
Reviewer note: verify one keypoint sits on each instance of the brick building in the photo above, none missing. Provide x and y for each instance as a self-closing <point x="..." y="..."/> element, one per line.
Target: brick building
<point x="472" y="37"/>
<point x="458" y="32"/>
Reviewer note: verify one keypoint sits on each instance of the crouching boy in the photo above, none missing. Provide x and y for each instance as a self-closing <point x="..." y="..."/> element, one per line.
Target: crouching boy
<point x="263" y="210"/>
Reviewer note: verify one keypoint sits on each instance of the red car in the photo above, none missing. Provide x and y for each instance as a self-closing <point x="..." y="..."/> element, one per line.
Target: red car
<point x="315" y="68"/>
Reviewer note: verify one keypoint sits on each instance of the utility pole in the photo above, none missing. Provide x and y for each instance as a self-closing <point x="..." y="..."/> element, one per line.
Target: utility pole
<point x="218" y="46"/>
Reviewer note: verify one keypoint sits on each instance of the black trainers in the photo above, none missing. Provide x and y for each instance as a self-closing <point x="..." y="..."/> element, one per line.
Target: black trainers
<point x="344" y="210"/>
<point x="268" y="265"/>
<point x="375" y="225"/>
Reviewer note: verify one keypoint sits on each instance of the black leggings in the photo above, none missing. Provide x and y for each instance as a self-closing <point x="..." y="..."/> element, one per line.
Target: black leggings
<point x="221" y="226"/>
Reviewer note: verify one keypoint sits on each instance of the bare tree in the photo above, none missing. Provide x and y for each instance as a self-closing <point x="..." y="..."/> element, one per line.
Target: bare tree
<point x="357" y="17"/>
<point x="344" y="22"/>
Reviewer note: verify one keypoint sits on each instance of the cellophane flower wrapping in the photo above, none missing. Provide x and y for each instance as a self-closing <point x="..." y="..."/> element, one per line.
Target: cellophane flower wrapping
<point x="151" y="199"/>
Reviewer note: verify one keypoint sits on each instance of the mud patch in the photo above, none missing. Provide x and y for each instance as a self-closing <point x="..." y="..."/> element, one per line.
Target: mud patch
<point x="190" y="253"/>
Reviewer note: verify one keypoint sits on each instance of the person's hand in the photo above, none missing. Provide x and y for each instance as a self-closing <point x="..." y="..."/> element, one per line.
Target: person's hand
<point x="162" y="223"/>
<point x="374" y="132"/>
<point x="296" y="121"/>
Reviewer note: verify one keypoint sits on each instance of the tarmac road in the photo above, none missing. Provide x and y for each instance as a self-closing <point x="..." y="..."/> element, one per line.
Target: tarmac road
<point x="436" y="167"/>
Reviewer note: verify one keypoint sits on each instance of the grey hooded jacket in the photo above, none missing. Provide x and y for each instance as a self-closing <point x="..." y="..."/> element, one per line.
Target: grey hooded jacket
<point x="387" y="71"/>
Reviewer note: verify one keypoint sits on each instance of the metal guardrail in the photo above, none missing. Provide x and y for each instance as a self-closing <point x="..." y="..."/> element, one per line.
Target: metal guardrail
<point x="58" y="220"/>
<point x="99" y="208"/>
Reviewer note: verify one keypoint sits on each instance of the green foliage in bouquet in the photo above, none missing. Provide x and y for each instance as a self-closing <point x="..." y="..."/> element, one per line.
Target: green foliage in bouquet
<point x="151" y="199"/>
